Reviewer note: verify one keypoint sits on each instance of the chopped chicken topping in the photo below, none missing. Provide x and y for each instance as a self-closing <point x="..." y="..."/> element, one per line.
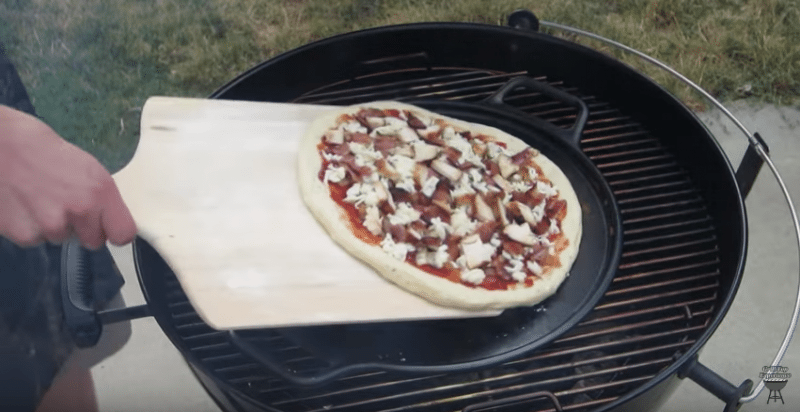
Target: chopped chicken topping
<point x="442" y="196"/>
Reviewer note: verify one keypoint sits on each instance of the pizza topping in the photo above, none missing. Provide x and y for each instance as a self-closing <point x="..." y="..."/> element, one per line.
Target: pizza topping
<point x="474" y="276"/>
<point x="440" y="197"/>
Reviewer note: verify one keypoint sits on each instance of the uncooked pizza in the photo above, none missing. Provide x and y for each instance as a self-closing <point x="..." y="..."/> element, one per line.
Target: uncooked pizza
<point x="461" y="214"/>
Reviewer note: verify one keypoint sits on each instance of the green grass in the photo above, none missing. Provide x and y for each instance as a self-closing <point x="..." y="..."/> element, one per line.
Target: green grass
<point x="90" y="64"/>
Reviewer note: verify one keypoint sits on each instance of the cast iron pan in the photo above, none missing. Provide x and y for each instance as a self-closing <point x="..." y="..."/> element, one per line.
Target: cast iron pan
<point x="459" y="345"/>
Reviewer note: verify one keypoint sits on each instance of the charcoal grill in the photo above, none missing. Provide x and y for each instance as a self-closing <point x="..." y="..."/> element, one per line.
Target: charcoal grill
<point x="680" y="201"/>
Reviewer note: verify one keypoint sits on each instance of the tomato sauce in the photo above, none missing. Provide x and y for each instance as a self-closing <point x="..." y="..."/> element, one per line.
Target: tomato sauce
<point x="338" y="193"/>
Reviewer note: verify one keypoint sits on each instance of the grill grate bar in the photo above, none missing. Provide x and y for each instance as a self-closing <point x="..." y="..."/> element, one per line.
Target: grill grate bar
<point x="661" y="205"/>
<point x="508" y="390"/>
<point x="667" y="185"/>
<point x="657" y="285"/>
<point x="642" y="299"/>
<point x="667" y="259"/>
<point x="661" y="237"/>
<point x="656" y="197"/>
<point x="597" y="117"/>
<point x="423" y="83"/>
<point x="629" y="162"/>
<point x="640" y="312"/>
<point x="622" y="328"/>
<point x="705" y="240"/>
<point x="666" y="270"/>
<point x="614" y="146"/>
<point x="627" y="153"/>
<point x="662" y="216"/>
<point x="507" y="376"/>
<point x="637" y="171"/>
<point x="672" y="174"/>
<point x="668" y="226"/>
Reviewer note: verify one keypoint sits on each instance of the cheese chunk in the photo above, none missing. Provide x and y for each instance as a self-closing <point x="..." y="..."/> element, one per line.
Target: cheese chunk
<point x="474" y="276"/>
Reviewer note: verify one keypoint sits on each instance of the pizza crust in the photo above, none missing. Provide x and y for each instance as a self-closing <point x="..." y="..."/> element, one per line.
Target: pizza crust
<point x="434" y="289"/>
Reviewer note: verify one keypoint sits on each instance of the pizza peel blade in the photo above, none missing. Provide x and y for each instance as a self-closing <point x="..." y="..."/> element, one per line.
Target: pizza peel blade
<point x="212" y="187"/>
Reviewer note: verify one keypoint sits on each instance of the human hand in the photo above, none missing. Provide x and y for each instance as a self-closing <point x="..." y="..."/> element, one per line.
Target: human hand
<point x="51" y="190"/>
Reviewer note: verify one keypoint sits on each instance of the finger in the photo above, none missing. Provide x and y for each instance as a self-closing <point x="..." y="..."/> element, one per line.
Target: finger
<point x="89" y="230"/>
<point x="117" y="221"/>
<point x="54" y="225"/>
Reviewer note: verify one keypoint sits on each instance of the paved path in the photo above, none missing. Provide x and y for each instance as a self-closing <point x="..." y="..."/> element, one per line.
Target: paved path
<point x="751" y="332"/>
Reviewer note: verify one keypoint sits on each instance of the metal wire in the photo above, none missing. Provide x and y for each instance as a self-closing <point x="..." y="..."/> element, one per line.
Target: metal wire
<point x="759" y="148"/>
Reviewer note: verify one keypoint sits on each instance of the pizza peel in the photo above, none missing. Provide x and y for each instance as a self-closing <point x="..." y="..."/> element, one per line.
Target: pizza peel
<point x="212" y="187"/>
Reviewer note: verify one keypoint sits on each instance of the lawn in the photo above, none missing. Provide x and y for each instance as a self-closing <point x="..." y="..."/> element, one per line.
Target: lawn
<point x="89" y="65"/>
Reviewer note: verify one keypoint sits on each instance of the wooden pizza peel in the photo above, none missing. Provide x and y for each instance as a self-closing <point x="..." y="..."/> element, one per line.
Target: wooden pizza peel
<point x="213" y="188"/>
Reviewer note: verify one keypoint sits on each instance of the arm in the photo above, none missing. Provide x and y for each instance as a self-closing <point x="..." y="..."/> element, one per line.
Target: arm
<point x="51" y="190"/>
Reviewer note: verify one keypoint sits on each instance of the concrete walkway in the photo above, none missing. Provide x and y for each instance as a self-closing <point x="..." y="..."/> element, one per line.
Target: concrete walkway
<point x="148" y="373"/>
<point x="753" y="329"/>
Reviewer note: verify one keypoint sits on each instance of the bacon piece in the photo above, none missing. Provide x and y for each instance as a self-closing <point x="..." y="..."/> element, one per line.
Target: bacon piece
<point x="452" y="154"/>
<point x="483" y="212"/>
<point x="358" y="172"/>
<point x="344" y="118"/>
<point x="400" y="195"/>
<point x="491" y="167"/>
<point x="493" y="199"/>
<point x="534" y="197"/>
<point x="446" y="169"/>
<point x="478" y="147"/>
<point x="542" y="227"/>
<point x="503" y="184"/>
<point x="364" y="114"/>
<point x="338" y="149"/>
<point x="434" y="137"/>
<point x="420" y="201"/>
<point x="392" y="113"/>
<point x="386" y="143"/>
<point x="414" y="122"/>
<point x="556" y="208"/>
<point x="453" y="243"/>
<point x="433" y="211"/>
<point x="512" y="247"/>
<point x="386" y="208"/>
<point x="370" y="112"/>
<point x="398" y="232"/>
<point x="465" y="200"/>
<point x="387" y="170"/>
<point x="357" y="137"/>
<point x="522" y="157"/>
<point x="487" y="230"/>
<point x="441" y="196"/>
<point x="418" y="226"/>
<point x="421" y="173"/>
<point x="431" y="242"/>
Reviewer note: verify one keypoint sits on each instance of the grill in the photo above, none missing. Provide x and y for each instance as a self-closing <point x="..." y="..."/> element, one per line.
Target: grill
<point x="680" y="204"/>
<point x="663" y="297"/>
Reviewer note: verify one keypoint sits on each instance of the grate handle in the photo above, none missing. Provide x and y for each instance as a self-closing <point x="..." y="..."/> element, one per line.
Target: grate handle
<point x="717" y="385"/>
<point x="573" y="134"/>
<point x="514" y="400"/>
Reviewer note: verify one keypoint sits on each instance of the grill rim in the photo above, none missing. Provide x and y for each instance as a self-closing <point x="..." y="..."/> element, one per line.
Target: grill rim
<point x="665" y="375"/>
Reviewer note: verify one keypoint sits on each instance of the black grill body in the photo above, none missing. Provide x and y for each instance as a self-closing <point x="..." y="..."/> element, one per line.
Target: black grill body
<point x="684" y="228"/>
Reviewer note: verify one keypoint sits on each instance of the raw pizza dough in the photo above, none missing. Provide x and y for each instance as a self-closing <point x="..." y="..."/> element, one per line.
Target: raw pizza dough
<point x="435" y="289"/>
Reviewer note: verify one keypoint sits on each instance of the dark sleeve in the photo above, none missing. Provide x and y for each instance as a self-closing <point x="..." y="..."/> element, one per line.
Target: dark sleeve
<point x="12" y="92"/>
<point x="34" y="340"/>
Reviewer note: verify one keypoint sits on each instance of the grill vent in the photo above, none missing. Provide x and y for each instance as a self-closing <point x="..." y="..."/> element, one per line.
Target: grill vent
<point x="661" y="300"/>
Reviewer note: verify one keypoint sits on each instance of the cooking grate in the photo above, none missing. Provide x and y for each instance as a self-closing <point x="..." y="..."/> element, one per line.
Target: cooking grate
<point x="661" y="300"/>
